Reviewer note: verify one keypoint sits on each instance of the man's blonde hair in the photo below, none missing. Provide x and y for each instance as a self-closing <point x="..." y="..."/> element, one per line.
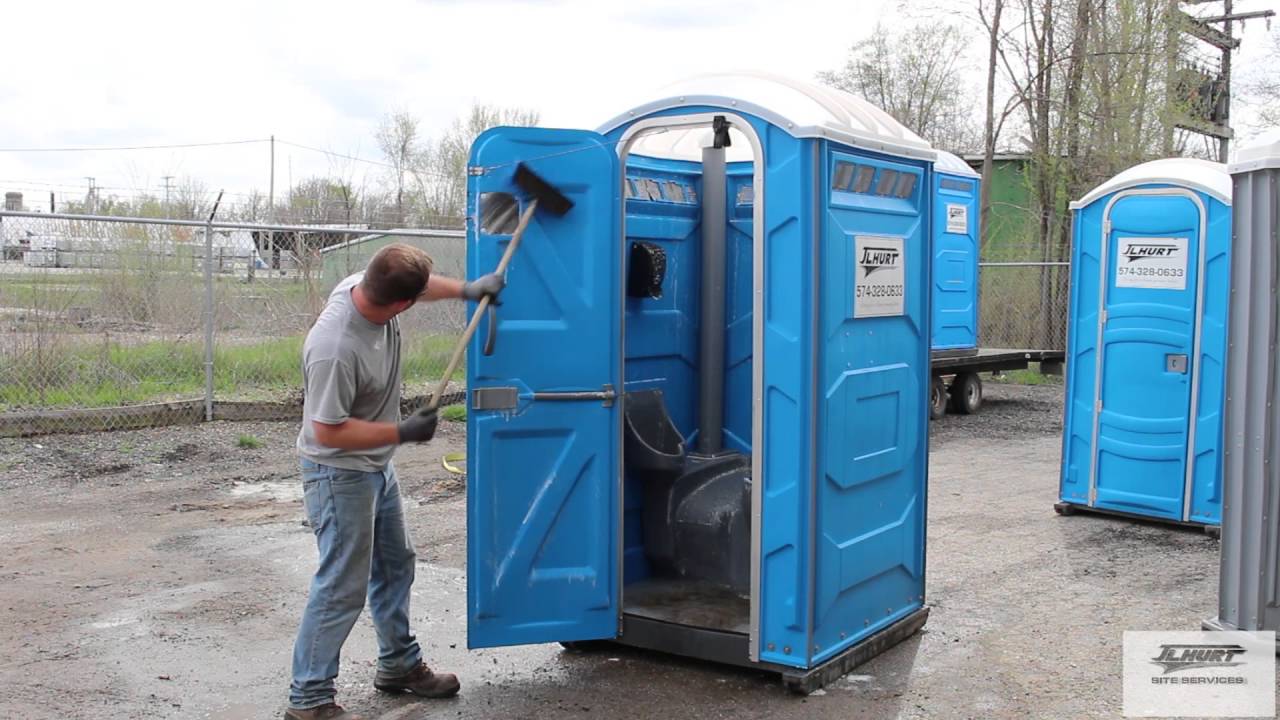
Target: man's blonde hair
<point x="396" y="273"/>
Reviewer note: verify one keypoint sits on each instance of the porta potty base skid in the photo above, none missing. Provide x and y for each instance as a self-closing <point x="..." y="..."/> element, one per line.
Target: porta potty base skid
<point x="1216" y="625"/>
<point x="730" y="648"/>
<point x="1066" y="508"/>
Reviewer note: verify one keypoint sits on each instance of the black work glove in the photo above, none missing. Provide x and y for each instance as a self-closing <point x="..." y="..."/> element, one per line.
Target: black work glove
<point x="489" y="285"/>
<point x="418" y="427"/>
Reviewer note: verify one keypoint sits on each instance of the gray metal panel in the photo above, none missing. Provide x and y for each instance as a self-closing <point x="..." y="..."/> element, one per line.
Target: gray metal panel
<point x="711" y="325"/>
<point x="1247" y="591"/>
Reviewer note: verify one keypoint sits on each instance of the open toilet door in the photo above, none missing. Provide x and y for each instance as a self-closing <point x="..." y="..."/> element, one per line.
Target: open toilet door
<point x="543" y="507"/>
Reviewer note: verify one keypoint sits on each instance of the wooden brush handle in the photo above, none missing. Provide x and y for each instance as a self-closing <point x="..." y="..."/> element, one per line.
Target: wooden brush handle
<point x="470" y="332"/>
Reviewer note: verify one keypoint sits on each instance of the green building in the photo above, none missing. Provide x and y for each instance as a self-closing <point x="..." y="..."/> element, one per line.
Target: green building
<point x="448" y="249"/>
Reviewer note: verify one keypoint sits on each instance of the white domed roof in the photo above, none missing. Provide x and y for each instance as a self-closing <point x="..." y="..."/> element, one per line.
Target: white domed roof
<point x="953" y="165"/>
<point x="1260" y="154"/>
<point x="1207" y="177"/>
<point x="804" y="110"/>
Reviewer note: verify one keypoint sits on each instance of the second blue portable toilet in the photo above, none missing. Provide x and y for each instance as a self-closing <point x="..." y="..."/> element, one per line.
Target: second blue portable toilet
<point x="698" y="421"/>
<point x="1147" y="340"/>
<point x="955" y="256"/>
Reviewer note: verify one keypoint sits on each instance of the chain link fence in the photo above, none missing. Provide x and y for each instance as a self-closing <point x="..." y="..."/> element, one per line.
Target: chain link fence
<point x="1023" y="304"/>
<point x="110" y="323"/>
<point x="1023" y="281"/>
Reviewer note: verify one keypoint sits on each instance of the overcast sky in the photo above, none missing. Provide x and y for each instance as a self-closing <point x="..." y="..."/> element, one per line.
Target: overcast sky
<point x="88" y="73"/>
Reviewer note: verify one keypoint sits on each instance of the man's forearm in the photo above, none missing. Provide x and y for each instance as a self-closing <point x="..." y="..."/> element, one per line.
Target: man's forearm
<point x="357" y="434"/>
<point x="442" y="288"/>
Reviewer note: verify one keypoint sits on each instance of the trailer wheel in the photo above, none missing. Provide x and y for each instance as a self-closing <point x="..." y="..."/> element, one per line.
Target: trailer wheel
<point x="966" y="394"/>
<point x="937" y="399"/>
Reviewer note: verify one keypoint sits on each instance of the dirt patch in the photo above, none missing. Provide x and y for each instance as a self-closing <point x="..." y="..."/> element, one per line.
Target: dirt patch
<point x="185" y="451"/>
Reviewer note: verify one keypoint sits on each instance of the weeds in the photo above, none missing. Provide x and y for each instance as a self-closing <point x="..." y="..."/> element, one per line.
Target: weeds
<point x="1027" y="377"/>
<point x="248" y="442"/>
<point x="106" y="373"/>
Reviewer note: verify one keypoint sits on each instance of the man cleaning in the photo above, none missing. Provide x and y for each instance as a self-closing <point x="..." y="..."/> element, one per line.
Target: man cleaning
<point x="350" y="428"/>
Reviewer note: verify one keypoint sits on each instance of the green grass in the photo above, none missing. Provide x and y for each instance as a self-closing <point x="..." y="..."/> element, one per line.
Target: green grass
<point x="248" y="442"/>
<point x="1028" y="377"/>
<point x="103" y="375"/>
<point x="454" y="413"/>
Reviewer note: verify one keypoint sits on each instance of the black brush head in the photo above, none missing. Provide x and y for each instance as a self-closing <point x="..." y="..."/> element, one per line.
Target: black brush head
<point x="549" y="198"/>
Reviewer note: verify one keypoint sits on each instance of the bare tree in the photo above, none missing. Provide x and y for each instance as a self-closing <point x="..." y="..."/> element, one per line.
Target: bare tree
<point x="1262" y="86"/>
<point x="320" y="201"/>
<point x="398" y="139"/>
<point x="191" y="199"/>
<point x="1088" y="91"/>
<point x="991" y="20"/>
<point x="918" y="76"/>
<point x="441" y="171"/>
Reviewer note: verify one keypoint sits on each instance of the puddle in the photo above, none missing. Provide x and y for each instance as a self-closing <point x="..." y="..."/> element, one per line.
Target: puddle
<point x="277" y="491"/>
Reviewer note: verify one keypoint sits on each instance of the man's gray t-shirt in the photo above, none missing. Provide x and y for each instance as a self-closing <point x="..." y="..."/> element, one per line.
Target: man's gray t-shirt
<point x="350" y="369"/>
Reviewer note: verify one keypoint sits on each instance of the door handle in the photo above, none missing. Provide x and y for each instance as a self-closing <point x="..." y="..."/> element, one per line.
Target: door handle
<point x="491" y="337"/>
<point x="1176" y="363"/>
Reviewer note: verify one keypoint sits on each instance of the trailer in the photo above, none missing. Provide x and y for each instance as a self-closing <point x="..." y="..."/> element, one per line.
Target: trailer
<point x="956" y="359"/>
<point x="956" y="385"/>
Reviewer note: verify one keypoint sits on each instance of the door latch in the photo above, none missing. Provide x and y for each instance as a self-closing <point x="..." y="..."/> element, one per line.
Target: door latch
<point x="1175" y="363"/>
<point x="494" y="398"/>
<point x="605" y="395"/>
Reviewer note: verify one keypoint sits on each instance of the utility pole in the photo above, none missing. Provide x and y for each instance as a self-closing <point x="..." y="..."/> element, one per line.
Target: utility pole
<point x="167" y="179"/>
<point x="271" y="205"/>
<point x="271" y="184"/>
<point x="92" y="197"/>
<point x="1216" y="121"/>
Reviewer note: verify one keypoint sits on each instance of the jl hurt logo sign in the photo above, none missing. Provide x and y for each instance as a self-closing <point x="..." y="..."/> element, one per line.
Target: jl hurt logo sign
<point x="1199" y="674"/>
<point x="879" y="281"/>
<point x="1189" y="657"/>
<point x="1159" y="263"/>
<point x="878" y="258"/>
<point x="1135" y="251"/>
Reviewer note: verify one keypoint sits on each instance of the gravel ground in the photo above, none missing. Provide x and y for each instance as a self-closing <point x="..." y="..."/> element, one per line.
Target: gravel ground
<point x="161" y="573"/>
<point x="1009" y="412"/>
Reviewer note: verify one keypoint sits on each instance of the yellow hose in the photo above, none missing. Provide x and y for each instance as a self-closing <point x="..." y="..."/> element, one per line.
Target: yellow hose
<point x="449" y="460"/>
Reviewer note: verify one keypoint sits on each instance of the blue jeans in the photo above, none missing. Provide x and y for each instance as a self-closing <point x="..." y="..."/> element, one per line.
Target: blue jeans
<point x="359" y="523"/>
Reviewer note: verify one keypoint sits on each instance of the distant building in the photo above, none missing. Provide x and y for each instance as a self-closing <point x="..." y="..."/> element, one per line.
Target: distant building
<point x="448" y="248"/>
<point x="1011" y="223"/>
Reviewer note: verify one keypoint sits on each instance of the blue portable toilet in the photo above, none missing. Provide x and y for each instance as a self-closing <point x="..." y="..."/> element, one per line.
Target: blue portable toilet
<point x="698" y="423"/>
<point x="1147" y="339"/>
<point x="955" y="256"/>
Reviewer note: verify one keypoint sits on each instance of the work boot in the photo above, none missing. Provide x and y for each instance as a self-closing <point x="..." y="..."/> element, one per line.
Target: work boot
<point x="420" y="681"/>
<point x="331" y="711"/>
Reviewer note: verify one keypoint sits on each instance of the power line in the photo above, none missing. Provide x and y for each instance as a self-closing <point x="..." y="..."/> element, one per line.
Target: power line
<point x="223" y="143"/>
<point x="134" y="147"/>
<point x="354" y="158"/>
<point x="136" y="192"/>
